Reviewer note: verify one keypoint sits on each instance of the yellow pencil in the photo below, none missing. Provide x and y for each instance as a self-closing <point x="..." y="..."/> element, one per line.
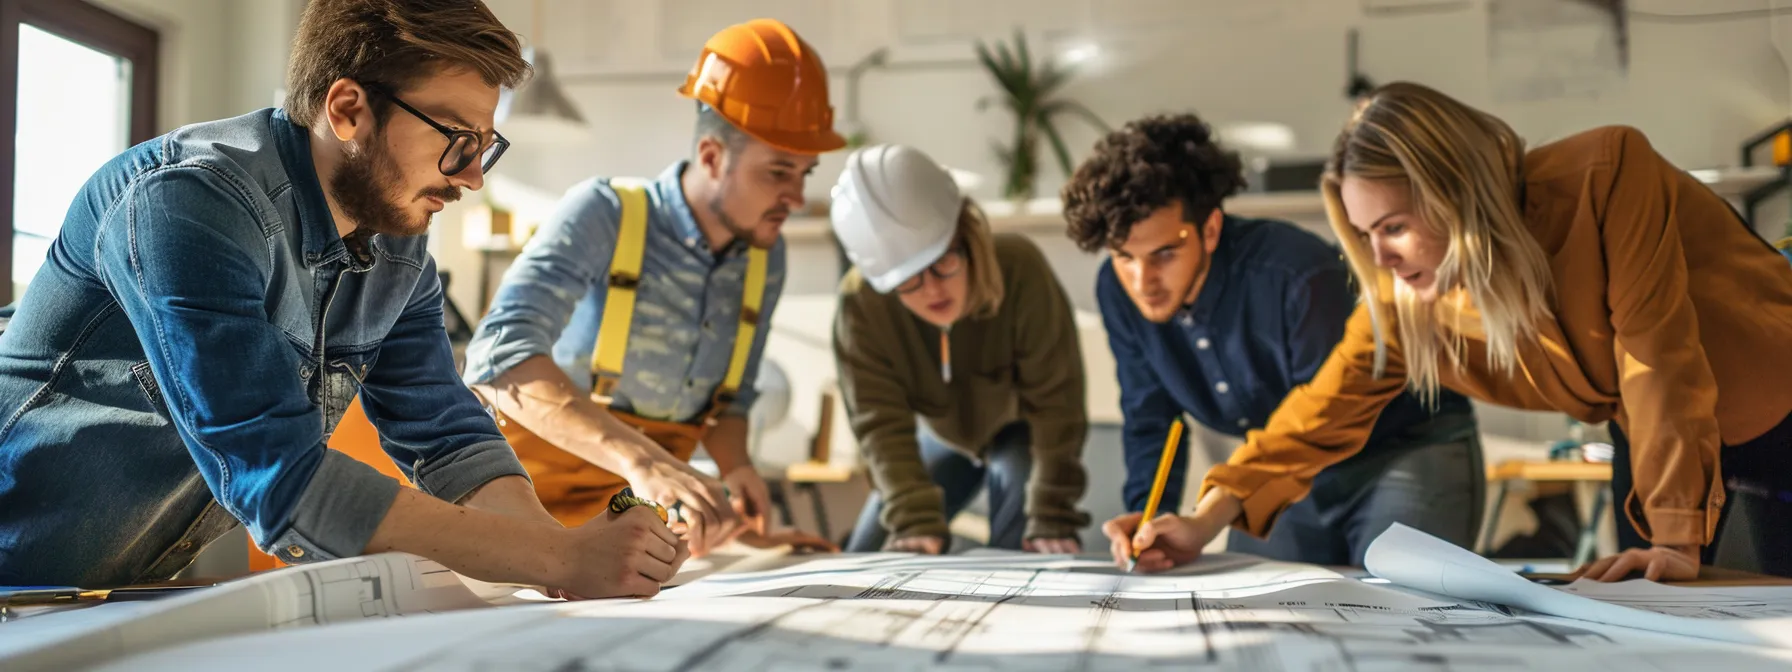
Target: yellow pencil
<point x="1157" y="487"/>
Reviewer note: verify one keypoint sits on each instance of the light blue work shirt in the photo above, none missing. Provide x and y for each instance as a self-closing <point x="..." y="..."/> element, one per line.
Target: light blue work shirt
<point x="687" y="307"/>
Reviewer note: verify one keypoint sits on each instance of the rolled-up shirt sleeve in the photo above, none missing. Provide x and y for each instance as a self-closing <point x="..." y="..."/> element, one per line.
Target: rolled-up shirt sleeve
<point x="557" y="267"/>
<point x="429" y="423"/>
<point x="1317" y="425"/>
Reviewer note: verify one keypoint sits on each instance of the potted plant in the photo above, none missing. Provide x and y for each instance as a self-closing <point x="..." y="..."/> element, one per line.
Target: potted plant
<point x="1028" y="92"/>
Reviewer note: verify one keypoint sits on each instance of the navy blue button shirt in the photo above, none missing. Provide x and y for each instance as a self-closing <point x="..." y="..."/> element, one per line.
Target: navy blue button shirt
<point x="1273" y="306"/>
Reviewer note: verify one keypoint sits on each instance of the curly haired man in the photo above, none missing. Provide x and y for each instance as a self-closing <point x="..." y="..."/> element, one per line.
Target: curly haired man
<point x="1219" y="317"/>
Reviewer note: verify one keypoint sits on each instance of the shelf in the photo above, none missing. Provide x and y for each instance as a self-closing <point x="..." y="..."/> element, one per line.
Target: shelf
<point x="1045" y="215"/>
<point x="1735" y="182"/>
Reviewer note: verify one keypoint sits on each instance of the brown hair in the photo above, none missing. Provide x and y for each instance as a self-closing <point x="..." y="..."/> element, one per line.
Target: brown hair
<point x="1463" y="168"/>
<point x="395" y="43"/>
<point x="983" y="287"/>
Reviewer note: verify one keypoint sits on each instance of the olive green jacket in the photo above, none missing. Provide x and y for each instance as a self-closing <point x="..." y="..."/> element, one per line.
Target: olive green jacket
<point x="1022" y="364"/>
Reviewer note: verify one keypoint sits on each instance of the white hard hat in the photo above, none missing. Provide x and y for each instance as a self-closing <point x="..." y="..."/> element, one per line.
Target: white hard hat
<point x="894" y="212"/>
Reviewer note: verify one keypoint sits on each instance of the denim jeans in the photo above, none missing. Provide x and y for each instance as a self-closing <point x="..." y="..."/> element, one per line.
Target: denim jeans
<point x="1435" y="488"/>
<point x="1007" y="463"/>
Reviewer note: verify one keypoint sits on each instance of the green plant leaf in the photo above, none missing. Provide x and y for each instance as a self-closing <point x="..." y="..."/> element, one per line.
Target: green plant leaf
<point x="1058" y="107"/>
<point x="1026" y="61"/>
<point x="1051" y="133"/>
<point x="1006" y="58"/>
<point x="1010" y="78"/>
<point x="984" y="57"/>
<point x="1051" y="77"/>
<point x="989" y="63"/>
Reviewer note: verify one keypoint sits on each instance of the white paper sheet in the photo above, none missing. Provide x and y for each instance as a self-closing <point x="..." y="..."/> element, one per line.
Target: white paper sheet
<point x="1418" y="560"/>
<point x="884" y="575"/>
<point x="895" y="612"/>
<point x="352" y="589"/>
<point x="1726" y="603"/>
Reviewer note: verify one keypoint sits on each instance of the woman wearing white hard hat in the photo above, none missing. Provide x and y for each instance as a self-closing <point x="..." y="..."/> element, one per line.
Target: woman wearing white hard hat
<point x="959" y="363"/>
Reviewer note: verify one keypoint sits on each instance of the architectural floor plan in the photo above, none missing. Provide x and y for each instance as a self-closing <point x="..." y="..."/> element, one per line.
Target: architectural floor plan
<point x="995" y="613"/>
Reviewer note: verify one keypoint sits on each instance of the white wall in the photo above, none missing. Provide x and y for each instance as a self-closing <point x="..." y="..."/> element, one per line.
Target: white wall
<point x="220" y="58"/>
<point x="260" y="42"/>
<point x="1698" y="88"/>
<point x="194" y="59"/>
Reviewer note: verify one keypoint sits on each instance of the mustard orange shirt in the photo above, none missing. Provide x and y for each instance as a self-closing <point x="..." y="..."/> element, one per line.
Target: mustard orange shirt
<point x="1670" y="316"/>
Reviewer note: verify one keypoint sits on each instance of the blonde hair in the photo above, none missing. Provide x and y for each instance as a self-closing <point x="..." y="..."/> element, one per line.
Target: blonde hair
<point x="983" y="287"/>
<point x="1463" y="168"/>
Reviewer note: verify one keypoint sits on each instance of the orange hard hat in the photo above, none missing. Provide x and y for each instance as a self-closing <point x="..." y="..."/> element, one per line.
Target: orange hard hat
<point x="769" y="83"/>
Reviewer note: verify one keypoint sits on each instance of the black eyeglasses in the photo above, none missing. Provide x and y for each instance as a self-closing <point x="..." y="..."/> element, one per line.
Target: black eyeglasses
<point x="949" y="264"/>
<point x="463" y="146"/>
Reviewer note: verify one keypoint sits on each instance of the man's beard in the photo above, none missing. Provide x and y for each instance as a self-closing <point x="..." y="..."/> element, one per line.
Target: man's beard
<point x="742" y="233"/>
<point x="366" y="186"/>
<point x="1186" y="294"/>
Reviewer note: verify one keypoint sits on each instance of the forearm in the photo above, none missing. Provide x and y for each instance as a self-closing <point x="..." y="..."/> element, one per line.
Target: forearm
<point x="539" y="396"/>
<point x="1216" y="510"/>
<point x="913" y="504"/>
<point x="1058" y="480"/>
<point x="477" y="543"/>
<point x="726" y="443"/>
<point x="512" y="496"/>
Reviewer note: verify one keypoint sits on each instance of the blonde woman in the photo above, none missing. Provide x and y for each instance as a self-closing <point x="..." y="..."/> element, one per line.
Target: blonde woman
<point x="1587" y="276"/>
<point x="958" y="361"/>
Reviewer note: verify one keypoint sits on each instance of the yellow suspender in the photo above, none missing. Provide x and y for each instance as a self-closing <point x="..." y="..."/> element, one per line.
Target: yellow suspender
<point x="751" y="294"/>
<point x="625" y="277"/>
<point x="619" y="301"/>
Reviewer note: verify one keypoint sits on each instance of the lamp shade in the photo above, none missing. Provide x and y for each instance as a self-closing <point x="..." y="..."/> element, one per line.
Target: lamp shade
<point x="539" y="111"/>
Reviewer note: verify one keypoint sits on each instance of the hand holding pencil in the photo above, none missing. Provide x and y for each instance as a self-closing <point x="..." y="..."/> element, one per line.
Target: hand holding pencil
<point x="1132" y="536"/>
<point x="1148" y="542"/>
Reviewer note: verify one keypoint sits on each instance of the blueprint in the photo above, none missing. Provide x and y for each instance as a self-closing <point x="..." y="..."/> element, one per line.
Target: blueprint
<point x="1723" y="604"/>
<point x="1755" y="615"/>
<point x="987" y="612"/>
<point x="352" y="589"/>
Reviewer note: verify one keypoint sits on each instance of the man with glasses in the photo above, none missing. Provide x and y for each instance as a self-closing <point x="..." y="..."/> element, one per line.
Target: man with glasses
<point x="631" y="326"/>
<point x="464" y="146"/>
<point x="217" y="297"/>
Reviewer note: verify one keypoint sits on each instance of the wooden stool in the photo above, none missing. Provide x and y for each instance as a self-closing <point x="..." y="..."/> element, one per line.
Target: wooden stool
<point x="1575" y="472"/>
<point x="809" y="475"/>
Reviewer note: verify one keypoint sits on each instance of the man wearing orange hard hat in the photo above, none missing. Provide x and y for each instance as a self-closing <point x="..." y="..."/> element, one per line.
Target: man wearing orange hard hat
<point x="631" y="326"/>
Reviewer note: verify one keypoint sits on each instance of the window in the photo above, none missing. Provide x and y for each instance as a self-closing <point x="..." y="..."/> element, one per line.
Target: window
<point x="81" y="83"/>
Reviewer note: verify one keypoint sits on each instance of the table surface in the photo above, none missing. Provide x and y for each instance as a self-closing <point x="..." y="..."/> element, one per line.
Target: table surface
<point x="1708" y="576"/>
<point x="736" y="558"/>
<point x="1533" y="470"/>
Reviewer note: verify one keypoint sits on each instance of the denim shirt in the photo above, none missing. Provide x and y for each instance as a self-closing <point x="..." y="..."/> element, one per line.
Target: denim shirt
<point x="1273" y="306"/>
<point x="180" y="360"/>
<point x="687" y="307"/>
